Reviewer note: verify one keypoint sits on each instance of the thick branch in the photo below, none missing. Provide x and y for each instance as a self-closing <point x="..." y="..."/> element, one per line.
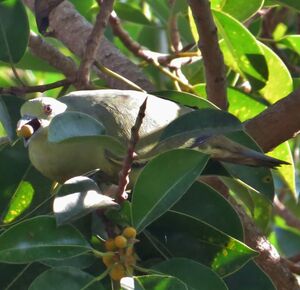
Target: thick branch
<point x="278" y="123"/>
<point x="53" y="56"/>
<point x="68" y="26"/>
<point x="211" y="53"/>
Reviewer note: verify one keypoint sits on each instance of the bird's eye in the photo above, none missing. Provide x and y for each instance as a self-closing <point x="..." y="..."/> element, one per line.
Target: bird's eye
<point x="47" y="109"/>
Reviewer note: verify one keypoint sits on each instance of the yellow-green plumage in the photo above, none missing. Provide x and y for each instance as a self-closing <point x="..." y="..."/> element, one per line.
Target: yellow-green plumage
<point x="117" y="111"/>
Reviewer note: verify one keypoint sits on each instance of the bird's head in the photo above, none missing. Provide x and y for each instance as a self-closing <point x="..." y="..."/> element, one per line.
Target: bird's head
<point x="37" y="114"/>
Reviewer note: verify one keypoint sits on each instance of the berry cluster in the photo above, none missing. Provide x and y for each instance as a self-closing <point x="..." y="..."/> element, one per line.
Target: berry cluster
<point x="120" y="256"/>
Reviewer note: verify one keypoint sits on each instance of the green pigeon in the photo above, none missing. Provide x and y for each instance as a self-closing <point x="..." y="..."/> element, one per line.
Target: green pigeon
<point x="117" y="111"/>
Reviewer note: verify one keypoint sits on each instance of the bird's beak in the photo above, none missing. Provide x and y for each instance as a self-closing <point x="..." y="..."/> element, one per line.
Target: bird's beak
<point x="26" y="127"/>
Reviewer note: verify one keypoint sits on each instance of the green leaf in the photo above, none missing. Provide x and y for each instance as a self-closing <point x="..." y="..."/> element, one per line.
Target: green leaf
<point x="64" y="278"/>
<point x="19" y="276"/>
<point x="14" y="30"/>
<point x="263" y="211"/>
<point x="239" y="9"/>
<point x="243" y="279"/>
<point x="77" y="197"/>
<point x="289" y="3"/>
<point x="185" y="236"/>
<point x="280" y="82"/>
<point x="21" y="200"/>
<point x="162" y="182"/>
<point x="131" y="12"/>
<point x="17" y="175"/>
<point x="292" y="42"/>
<point x="9" y="114"/>
<point x="247" y="59"/>
<point x="206" y="204"/>
<point x="286" y="172"/>
<point x="73" y="125"/>
<point x="242" y="105"/>
<point x="288" y="240"/>
<point x="193" y="274"/>
<point x="39" y="238"/>
<point x="240" y="191"/>
<point x="205" y="121"/>
<point x="159" y="282"/>
<point x="186" y="99"/>
<point x="81" y="262"/>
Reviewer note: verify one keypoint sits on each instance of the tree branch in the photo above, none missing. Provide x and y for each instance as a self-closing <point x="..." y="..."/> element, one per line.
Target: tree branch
<point x="93" y="42"/>
<point x="211" y="53"/>
<point x="277" y="124"/>
<point x="53" y="56"/>
<point x="68" y="26"/>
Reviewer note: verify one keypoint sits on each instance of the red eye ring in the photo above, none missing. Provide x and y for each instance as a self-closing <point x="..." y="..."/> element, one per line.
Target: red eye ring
<point x="47" y="109"/>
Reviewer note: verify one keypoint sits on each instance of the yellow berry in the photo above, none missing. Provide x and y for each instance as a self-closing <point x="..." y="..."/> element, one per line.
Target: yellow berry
<point x="130" y="260"/>
<point x="107" y="260"/>
<point x="26" y="131"/>
<point x="129" y="232"/>
<point x="110" y="259"/>
<point x="120" y="242"/>
<point x="117" y="272"/>
<point x="110" y="245"/>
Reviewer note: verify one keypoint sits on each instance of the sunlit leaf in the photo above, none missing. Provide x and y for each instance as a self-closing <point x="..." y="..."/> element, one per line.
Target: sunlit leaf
<point x="247" y="59"/>
<point x="239" y="9"/>
<point x="279" y="83"/>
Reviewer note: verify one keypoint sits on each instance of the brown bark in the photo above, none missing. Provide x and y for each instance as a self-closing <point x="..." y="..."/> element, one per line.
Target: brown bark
<point x="210" y="50"/>
<point x="278" y="123"/>
<point x="68" y="26"/>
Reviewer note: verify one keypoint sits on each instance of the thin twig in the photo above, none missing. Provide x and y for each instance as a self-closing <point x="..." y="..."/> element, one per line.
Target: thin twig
<point x="290" y="219"/>
<point x="157" y="59"/>
<point x="93" y="42"/>
<point x="126" y="168"/>
<point x="33" y="89"/>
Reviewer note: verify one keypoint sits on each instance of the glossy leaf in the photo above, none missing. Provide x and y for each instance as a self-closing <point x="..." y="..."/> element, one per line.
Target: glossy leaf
<point x="292" y="42"/>
<point x="186" y="99"/>
<point x="243" y="279"/>
<point x="280" y="82"/>
<point x="159" y="282"/>
<point x="73" y="125"/>
<point x="39" y="238"/>
<point x="9" y="114"/>
<point x="188" y="237"/>
<point x="288" y="240"/>
<point x="204" y="203"/>
<point x="286" y="172"/>
<point x="17" y="175"/>
<point x="64" y="278"/>
<point x="20" y="201"/>
<point x="14" y="30"/>
<point x="131" y="12"/>
<point x="289" y="3"/>
<point x="241" y="10"/>
<point x="242" y="105"/>
<point x="162" y="182"/>
<point x="77" y="197"/>
<point x="193" y="274"/>
<point x="247" y="59"/>
<point x="206" y="121"/>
